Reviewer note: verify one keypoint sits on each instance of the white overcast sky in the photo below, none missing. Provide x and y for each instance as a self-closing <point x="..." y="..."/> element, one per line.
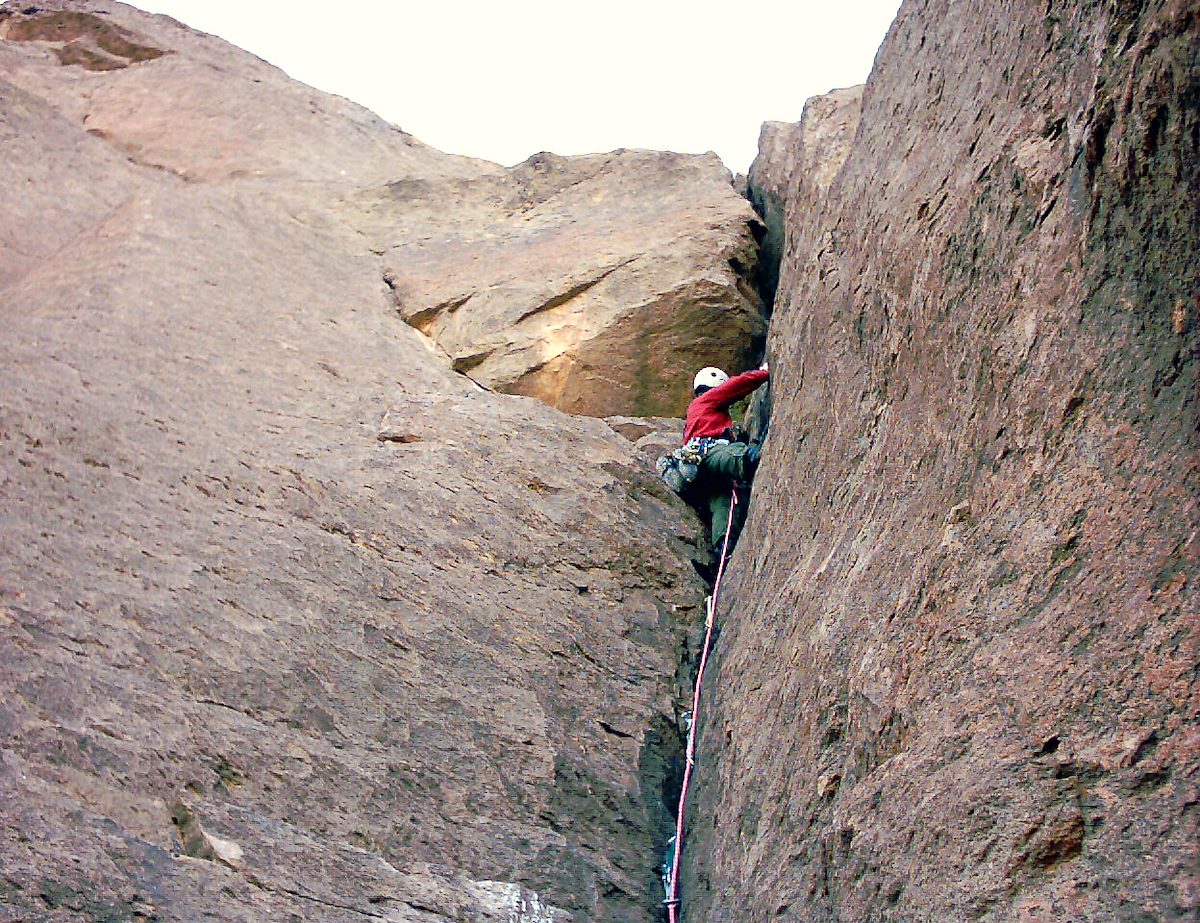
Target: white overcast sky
<point x="504" y="80"/>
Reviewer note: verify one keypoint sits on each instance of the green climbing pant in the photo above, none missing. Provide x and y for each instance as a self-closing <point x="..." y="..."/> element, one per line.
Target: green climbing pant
<point x="722" y="465"/>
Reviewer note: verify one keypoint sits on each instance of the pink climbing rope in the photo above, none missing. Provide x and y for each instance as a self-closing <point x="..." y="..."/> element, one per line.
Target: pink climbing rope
<point x="672" y="901"/>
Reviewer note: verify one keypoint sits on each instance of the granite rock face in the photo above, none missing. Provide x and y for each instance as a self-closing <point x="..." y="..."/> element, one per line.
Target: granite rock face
<point x="958" y="673"/>
<point x="796" y="164"/>
<point x="298" y="623"/>
<point x="597" y="284"/>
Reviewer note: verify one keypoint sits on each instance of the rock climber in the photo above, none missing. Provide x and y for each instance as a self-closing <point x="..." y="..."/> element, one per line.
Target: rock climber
<point x="708" y="429"/>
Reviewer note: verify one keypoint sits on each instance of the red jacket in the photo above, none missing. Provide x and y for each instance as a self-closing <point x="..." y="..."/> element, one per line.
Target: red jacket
<point x="708" y="415"/>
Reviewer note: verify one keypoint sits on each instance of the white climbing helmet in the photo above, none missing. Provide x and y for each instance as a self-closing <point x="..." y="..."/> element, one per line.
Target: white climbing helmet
<point x="709" y="377"/>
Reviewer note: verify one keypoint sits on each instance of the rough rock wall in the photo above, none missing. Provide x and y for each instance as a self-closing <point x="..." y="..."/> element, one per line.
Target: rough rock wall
<point x="958" y="673"/>
<point x="788" y="181"/>
<point x="598" y="284"/>
<point x="297" y="623"/>
<point x="796" y="162"/>
<point x="577" y="280"/>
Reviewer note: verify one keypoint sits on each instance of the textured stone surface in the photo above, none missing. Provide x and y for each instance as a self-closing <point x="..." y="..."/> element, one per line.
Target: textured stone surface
<point x="957" y="675"/>
<point x="795" y="165"/>
<point x="598" y="284"/>
<point x="298" y="623"/>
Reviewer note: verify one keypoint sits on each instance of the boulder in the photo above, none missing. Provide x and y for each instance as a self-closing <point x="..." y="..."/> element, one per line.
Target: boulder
<point x="597" y="284"/>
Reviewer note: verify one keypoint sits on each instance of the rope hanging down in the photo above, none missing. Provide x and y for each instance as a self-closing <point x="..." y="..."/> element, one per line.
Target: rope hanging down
<point x="672" y="900"/>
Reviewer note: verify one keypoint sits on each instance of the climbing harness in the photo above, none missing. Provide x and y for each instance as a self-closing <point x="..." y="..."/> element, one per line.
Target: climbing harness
<point x="682" y="467"/>
<point x="675" y="844"/>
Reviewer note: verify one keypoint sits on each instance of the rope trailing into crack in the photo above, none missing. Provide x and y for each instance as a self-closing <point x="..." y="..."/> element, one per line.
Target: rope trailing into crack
<point x="672" y="881"/>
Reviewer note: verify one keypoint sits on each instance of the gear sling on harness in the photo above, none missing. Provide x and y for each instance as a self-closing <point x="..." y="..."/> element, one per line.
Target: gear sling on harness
<point x="679" y="469"/>
<point x="675" y="854"/>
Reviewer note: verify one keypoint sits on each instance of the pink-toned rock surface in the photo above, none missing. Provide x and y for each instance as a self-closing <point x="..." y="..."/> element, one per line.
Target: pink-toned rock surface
<point x="297" y="623"/>
<point x="958" y="673"/>
<point x="796" y="163"/>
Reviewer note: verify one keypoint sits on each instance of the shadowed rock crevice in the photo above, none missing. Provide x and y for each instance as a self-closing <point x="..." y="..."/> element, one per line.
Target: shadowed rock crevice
<point x="572" y="292"/>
